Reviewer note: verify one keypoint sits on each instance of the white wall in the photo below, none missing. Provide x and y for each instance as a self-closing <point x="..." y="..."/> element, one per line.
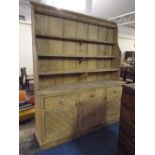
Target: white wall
<point x="126" y="44"/>
<point x="25" y="47"/>
<point x="126" y="39"/>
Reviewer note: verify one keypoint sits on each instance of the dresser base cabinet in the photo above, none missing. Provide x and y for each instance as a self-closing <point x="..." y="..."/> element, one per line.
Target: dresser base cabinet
<point x="67" y="115"/>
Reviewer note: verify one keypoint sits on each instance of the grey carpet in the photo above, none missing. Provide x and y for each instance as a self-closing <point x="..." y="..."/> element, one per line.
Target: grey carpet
<point x="27" y="142"/>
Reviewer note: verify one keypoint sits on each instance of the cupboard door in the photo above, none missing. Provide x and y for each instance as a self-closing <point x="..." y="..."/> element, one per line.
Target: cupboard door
<point x="61" y="117"/>
<point x="91" y="108"/>
<point x="113" y="102"/>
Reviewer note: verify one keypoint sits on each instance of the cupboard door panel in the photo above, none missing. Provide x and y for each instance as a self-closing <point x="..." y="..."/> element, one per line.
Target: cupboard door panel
<point x="60" y="123"/>
<point x="60" y="116"/>
<point x="91" y="108"/>
<point x="113" y="101"/>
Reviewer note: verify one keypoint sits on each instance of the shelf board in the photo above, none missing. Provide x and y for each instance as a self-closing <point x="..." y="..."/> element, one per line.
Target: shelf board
<point x="72" y="56"/>
<point x="73" y="39"/>
<point x="76" y="72"/>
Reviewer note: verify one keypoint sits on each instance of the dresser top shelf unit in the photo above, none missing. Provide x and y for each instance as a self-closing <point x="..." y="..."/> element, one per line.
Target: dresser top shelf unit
<point x="70" y="47"/>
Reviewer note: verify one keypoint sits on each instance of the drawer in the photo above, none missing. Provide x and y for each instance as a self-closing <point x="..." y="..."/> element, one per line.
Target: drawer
<point x="114" y="91"/>
<point x="128" y="116"/>
<point x="129" y="90"/>
<point x="127" y="143"/>
<point x="128" y="101"/>
<point x="92" y="108"/>
<point x="127" y="129"/>
<point x="122" y="151"/>
<point x="92" y="93"/>
<point x="60" y="101"/>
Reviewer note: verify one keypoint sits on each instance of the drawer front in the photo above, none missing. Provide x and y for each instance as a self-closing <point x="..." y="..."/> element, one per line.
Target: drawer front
<point x="113" y="91"/>
<point x="122" y="151"/>
<point x="128" y="101"/>
<point x="60" y="101"/>
<point x="127" y="129"/>
<point x="128" y="116"/>
<point x="127" y="143"/>
<point x="91" y="108"/>
<point x="92" y="94"/>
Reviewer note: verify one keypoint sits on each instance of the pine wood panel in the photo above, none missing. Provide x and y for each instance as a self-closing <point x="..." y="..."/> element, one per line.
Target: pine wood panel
<point x="70" y="28"/>
<point x="82" y="49"/>
<point x="49" y="46"/>
<point x="82" y="30"/>
<point x="43" y="25"/>
<point x="60" y="116"/>
<point x="102" y="34"/>
<point x="69" y="48"/>
<point x="38" y="116"/>
<point x="113" y="101"/>
<point x="91" y="107"/>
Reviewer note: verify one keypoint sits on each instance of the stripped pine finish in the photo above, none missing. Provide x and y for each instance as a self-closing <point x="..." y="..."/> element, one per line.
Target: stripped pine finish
<point x="76" y="68"/>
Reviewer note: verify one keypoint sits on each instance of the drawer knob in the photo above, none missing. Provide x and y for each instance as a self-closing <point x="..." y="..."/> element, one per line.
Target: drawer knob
<point x="91" y="95"/>
<point x="61" y="101"/>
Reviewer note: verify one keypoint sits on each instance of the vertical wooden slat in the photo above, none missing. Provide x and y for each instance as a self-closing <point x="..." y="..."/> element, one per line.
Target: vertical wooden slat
<point x="70" y="28"/>
<point x="81" y="49"/>
<point x="56" y="26"/>
<point x="110" y="33"/>
<point x="117" y="53"/>
<point x="92" y="50"/>
<point x="82" y="30"/>
<point x="108" y="52"/>
<point x="69" y="48"/>
<point x="38" y="110"/>
<point x="56" y="47"/>
<point x="102" y="34"/>
<point x="92" y="32"/>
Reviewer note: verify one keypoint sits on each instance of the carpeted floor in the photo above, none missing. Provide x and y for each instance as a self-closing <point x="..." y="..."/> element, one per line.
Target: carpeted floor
<point x="27" y="142"/>
<point x="100" y="142"/>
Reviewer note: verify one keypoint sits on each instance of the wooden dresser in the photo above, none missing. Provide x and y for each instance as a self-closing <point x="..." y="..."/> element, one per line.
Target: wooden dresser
<point x="126" y="142"/>
<point x="76" y="71"/>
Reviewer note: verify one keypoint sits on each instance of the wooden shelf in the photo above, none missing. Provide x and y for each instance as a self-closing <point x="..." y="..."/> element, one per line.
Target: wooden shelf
<point x="42" y="56"/>
<point x="74" y="39"/>
<point x="76" y="72"/>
